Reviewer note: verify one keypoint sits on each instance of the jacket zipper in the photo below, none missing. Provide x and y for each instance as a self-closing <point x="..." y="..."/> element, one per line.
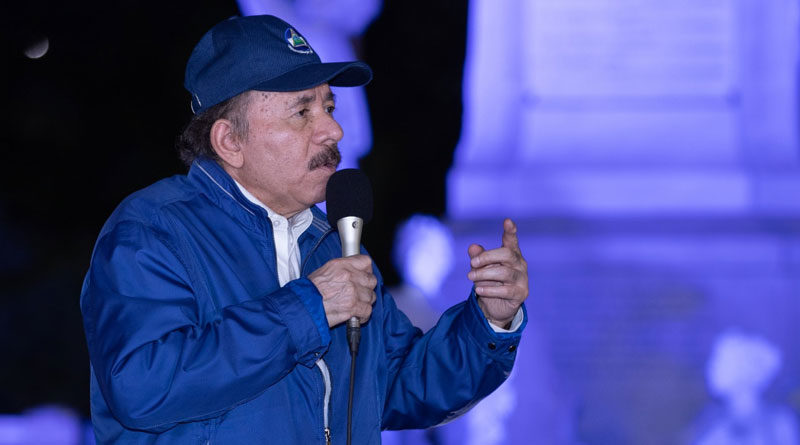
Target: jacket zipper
<point x="323" y="367"/>
<point x="326" y="378"/>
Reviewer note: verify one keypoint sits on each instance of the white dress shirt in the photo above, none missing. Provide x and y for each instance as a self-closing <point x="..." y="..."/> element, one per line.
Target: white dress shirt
<point x="286" y="232"/>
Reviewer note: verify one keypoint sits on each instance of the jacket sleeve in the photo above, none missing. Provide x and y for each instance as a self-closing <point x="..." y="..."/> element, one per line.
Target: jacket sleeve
<point x="156" y="362"/>
<point x="436" y="377"/>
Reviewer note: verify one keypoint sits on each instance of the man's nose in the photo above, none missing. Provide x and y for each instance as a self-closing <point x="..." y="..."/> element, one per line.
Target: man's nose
<point x="329" y="130"/>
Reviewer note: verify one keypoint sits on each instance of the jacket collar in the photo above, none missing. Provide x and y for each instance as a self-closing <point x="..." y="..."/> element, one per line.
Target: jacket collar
<point x="218" y="185"/>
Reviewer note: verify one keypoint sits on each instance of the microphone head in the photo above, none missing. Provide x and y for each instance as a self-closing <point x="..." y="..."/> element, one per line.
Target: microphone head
<point x="348" y="193"/>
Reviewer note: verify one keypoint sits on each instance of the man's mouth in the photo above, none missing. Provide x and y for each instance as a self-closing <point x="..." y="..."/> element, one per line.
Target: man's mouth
<point x="328" y="158"/>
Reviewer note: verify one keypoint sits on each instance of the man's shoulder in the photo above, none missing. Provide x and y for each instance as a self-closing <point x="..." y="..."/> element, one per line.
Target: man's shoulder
<point x="147" y="203"/>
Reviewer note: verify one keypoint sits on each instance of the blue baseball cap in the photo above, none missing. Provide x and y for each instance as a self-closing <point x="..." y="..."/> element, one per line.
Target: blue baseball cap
<point x="263" y="53"/>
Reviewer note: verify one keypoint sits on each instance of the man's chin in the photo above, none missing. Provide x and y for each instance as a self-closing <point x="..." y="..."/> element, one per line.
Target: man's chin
<point x="321" y="176"/>
<point x="327" y="169"/>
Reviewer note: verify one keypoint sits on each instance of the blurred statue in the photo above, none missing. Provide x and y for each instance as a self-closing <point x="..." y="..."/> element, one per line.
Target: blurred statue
<point x="331" y="28"/>
<point x="740" y="369"/>
<point x="423" y="256"/>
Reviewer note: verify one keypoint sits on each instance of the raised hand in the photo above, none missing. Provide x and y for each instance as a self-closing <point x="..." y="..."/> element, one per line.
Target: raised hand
<point x="500" y="276"/>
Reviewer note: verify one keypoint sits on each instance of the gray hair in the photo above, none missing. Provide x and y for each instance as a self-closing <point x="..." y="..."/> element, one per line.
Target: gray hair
<point x="195" y="140"/>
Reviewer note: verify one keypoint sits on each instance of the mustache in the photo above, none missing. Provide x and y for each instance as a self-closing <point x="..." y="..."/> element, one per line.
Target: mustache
<point x="329" y="157"/>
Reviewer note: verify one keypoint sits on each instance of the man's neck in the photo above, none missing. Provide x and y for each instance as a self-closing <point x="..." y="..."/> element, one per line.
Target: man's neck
<point x="270" y="210"/>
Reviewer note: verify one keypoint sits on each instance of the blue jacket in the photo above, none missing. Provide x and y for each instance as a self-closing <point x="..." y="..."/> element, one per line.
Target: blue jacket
<point x="192" y="340"/>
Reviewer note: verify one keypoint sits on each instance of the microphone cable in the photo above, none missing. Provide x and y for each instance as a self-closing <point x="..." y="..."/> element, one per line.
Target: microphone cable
<point x="353" y="338"/>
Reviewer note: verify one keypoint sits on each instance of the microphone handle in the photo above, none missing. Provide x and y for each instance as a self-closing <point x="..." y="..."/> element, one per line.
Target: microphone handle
<point x="350" y="235"/>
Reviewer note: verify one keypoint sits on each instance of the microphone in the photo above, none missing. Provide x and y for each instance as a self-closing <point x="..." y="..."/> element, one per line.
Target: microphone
<point x="348" y="197"/>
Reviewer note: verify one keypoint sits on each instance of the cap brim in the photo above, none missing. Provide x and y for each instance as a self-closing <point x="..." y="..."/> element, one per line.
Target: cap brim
<point x="338" y="74"/>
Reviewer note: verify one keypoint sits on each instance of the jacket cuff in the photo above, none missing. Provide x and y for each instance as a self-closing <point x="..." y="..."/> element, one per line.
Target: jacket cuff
<point x="502" y="345"/>
<point x="311" y="344"/>
<point x="516" y="322"/>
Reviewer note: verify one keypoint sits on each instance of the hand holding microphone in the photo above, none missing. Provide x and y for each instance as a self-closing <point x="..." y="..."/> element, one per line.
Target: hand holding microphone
<point x="347" y="284"/>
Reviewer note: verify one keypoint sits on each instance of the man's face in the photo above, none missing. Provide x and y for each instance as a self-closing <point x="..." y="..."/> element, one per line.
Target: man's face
<point x="290" y="150"/>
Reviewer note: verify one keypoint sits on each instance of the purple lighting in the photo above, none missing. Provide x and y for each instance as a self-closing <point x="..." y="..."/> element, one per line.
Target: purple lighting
<point x="649" y="153"/>
<point x="46" y="425"/>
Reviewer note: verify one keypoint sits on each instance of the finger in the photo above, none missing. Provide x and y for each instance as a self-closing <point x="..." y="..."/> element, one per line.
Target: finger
<point x="372" y="282"/>
<point x="355" y="262"/>
<point x="502" y="274"/>
<point x="501" y="255"/>
<point x="475" y="250"/>
<point x="487" y="284"/>
<point x="367" y="280"/>
<point x="360" y="262"/>
<point x="363" y="295"/>
<point x="363" y="311"/>
<point x="501" y="292"/>
<point x="364" y="314"/>
<point x="510" y="239"/>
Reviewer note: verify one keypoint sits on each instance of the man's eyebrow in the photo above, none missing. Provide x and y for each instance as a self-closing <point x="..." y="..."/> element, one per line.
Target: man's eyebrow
<point x="302" y="100"/>
<point x="308" y="98"/>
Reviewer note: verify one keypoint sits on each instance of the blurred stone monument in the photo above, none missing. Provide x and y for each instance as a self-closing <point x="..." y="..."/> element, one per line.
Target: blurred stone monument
<point x="635" y="107"/>
<point x="649" y="152"/>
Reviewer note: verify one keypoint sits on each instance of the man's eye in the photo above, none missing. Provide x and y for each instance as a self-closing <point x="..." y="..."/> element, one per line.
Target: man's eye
<point x="330" y="109"/>
<point x="302" y="113"/>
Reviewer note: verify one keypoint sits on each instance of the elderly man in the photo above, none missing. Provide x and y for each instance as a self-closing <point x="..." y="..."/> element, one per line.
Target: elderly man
<point x="215" y="302"/>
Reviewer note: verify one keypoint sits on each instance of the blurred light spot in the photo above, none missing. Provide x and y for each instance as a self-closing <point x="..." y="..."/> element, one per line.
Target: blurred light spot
<point x="742" y="363"/>
<point x="37" y="48"/>
<point x="423" y="252"/>
<point x="45" y="424"/>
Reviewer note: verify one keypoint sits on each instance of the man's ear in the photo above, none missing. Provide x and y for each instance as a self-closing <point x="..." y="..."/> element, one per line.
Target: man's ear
<point x="226" y="143"/>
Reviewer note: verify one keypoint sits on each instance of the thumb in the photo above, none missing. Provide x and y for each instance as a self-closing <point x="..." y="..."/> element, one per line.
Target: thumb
<point x="475" y="250"/>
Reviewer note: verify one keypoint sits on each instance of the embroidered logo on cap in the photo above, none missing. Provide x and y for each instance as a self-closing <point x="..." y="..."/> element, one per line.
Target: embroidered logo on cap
<point x="296" y="42"/>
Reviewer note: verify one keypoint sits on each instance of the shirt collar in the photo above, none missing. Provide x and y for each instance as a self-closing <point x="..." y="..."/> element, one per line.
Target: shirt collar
<point x="298" y="222"/>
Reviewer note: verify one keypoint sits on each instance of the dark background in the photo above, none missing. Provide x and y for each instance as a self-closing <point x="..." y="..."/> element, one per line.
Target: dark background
<point x="96" y="119"/>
